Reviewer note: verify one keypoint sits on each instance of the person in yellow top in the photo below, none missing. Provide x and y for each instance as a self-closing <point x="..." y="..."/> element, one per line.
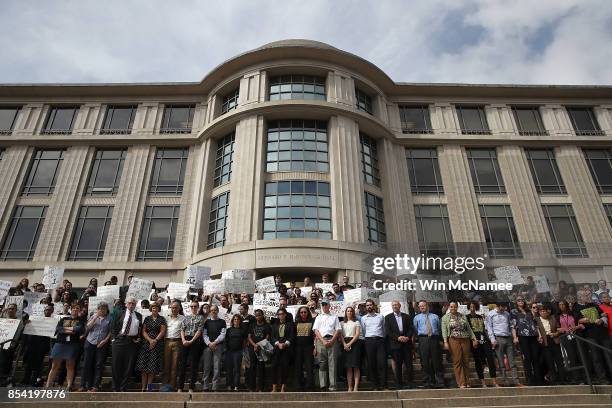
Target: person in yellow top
<point x="457" y="333"/>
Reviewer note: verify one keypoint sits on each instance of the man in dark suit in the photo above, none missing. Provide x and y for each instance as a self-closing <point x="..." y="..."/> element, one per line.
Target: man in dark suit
<point x="399" y="331"/>
<point x="125" y="344"/>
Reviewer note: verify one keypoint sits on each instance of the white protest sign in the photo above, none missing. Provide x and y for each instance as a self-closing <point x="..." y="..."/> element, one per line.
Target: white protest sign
<point x="213" y="286"/>
<point x="337" y="308"/>
<point x="392" y="295"/>
<point x="195" y="274"/>
<point x="18" y="300"/>
<point x="52" y="277"/>
<point x="8" y="327"/>
<point x="242" y="274"/>
<point x="355" y="295"/>
<point x="463" y="309"/>
<point x="186" y="308"/>
<point x="58" y="308"/>
<point x="236" y="309"/>
<point x="144" y="313"/>
<point x="108" y="291"/>
<point x="386" y="308"/>
<point x="94" y="302"/>
<point x="165" y="311"/>
<point x="267" y="302"/>
<point x="178" y="290"/>
<point x="32" y="298"/>
<point x="509" y="274"/>
<point x="139" y="289"/>
<point x="42" y="326"/>
<point x="541" y="284"/>
<point x="5" y="286"/>
<point x="293" y="309"/>
<point x="239" y="286"/>
<point x="265" y="285"/>
<point x="37" y="310"/>
<point x="305" y="291"/>
<point x="325" y="287"/>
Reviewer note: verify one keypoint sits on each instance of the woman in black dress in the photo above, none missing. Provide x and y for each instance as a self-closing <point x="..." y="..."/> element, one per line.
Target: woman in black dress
<point x="67" y="345"/>
<point x="351" y="329"/>
<point x="152" y="350"/>
<point x="283" y="335"/>
<point x="303" y="350"/>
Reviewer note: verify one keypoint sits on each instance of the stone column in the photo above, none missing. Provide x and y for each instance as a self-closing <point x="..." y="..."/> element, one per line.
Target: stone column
<point x="340" y="88"/>
<point x="89" y="119"/>
<point x="199" y="118"/>
<point x="499" y="118"/>
<point x="556" y="120"/>
<point x="147" y="115"/>
<point x="253" y="88"/>
<point x="13" y="167"/>
<point x="586" y="202"/>
<point x="348" y="208"/>
<point x="29" y="120"/>
<point x="183" y="241"/>
<point x="603" y="114"/>
<point x="380" y="108"/>
<point x="444" y="119"/>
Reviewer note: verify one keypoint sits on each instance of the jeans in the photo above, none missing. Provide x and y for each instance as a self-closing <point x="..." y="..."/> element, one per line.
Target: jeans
<point x="93" y="365"/>
<point x="233" y="361"/>
<point x="505" y="347"/>
<point x="212" y="362"/>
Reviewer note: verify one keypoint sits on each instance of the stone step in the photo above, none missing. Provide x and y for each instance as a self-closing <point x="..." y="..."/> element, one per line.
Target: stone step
<point x="508" y="401"/>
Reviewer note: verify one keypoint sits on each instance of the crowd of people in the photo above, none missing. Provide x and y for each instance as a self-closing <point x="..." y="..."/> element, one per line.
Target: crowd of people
<point x="155" y="340"/>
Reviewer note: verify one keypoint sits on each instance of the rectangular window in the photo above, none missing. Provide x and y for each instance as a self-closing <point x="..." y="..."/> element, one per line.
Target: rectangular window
<point x="43" y="172"/>
<point x="297" y="87"/>
<point x="415" y="119"/>
<point x="22" y="236"/>
<point x="369" y="160"/>
<point x="89" y="238"/>
<point x="608" y="208"/>
<point x="297" y="145"/>
<point x="106" y="172"/>
<point x="500" y="232"/>
<point x="600" y="166"/>
<point x="118" y="120"/>
<point x="529" y="121"/>
<point x="473" y="120"/>
<point x="169" y="171"/>
<point x="223" y="160"/>
<point x="297" y="209"/>
<point x="230" y="101"/>
<point x="424" y="171"/>
<point x="564" y="231"/>
<point x="60" y="120"/>
<point x="217" y="223"/>
<point x="158" y="233"/>
<point x="177" y="119"/>
<point x="486" y="175"/>
<point x="433" y="230"/>
<point x="584" y="121"/>
<point x="8" y="117"/>
<point x="545" y="172"/>
<point x="364" y="101"/>
<point x="375" y="219"/>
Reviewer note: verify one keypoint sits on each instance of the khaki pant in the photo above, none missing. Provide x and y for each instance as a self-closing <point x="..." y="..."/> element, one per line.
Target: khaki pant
<point x="172" y="352"/>
<point x="460" y="352"/>
<point x="327" y="364"/>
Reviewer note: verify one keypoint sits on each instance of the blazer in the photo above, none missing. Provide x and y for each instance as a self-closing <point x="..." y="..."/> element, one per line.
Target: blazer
<point x="118" y="324"/>
<point x="392" y="330"/>
<point x="554" y="326"/>
<point x="289" y="335"/>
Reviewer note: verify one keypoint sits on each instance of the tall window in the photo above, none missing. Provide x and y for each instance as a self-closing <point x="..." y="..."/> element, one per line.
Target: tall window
<point x="217" y="223"/>
<point x="230" y="101"/>
<point x="433" y="230"/>
<point x="369" y="160"/>
<point x="584" y="121"/>
<point x="8" y="117"/>
<point x="43" y="172"/>
<point x="177" y="119"/>
<point x="118" y="119"/>
<point x="223" y="160"/>
<point x="375" y="218"/>
<point x="500" y="233"/>
<point x="486" y="175"/>
<point x="297" y="87"/>
<point x="600" y="165"/>
<point x="106" y="172"/>
<point x="60" y="119"/>
<point x="529" y="121"/>
<point x="473" y="120"/>
<point x="424" y="171"/>
<point x="564" y="231"/>
<point x="297" y="209"/>
<point x="169" y="171"/>
<point x="22" y="236"/>
<point x="415" y="119"/>
<point x="158" y="233"/>
<point x="297" y="145"/>
<point x="89" y="239"/>
<point x="364" y="101"/>
<point x="545" y="172"/>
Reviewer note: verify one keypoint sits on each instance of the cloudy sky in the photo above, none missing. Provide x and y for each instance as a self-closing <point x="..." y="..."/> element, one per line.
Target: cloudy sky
<point x="478" y="41"/>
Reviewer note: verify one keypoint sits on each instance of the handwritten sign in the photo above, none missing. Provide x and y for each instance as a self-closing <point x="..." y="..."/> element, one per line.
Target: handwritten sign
<point x="267" y="302"/>
<point x="305" y="291"/>
<point x="42" y="326"/>
<point x="509" y="274"/>
<point x="178" y="290"/>
<point x="242" y="274"/>
<point x="18" y="300"/>
<point x="239" y="286"/>
<point x="8" y="328"/>
<point x="337" y="308"/>
<point x="266" y="285"/>
<point x="325" y="287"/>
<point x="37" y="310"/>
<point x="386" y="307"/>
<point x="53" y="276"/>
<point x="5" y="286"/>
<point x="139" y="288"/>
<point x="32" y="298"/>
<point x="195" y="275"/>
<point x="109" y="291"/>
<point x="541" y="284"/>
<point x="213" y="286"/>
<point x="355" y="295"/>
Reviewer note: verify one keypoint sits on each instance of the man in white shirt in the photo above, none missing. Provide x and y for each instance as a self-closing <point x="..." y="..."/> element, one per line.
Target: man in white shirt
<point x="125" y="343"/>
<point x="372" y="326"/>
<point x="327" y="329"/>
<point x="172" y="344"/>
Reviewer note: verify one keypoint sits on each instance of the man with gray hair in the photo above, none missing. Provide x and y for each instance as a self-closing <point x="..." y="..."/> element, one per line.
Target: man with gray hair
<point x="125" y="341"/>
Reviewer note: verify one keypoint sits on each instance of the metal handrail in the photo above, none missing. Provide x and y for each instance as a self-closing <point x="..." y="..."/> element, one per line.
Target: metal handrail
<point x="583" y="359"/>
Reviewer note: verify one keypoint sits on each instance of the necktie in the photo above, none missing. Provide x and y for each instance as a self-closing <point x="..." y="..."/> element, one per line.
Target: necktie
<point x="428" y="325"/>
<point x="281" y="330"/>
<point x="127" y="326"/>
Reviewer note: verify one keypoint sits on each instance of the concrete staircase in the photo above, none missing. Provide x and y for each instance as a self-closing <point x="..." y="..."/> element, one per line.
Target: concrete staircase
<point x="533" y="397"/>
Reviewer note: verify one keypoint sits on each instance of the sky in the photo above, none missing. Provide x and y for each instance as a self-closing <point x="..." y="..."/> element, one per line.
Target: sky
<point x="464" y="41"/>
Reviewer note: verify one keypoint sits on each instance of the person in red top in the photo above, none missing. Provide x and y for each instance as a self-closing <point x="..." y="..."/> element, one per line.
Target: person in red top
<point x="606" y="307"/>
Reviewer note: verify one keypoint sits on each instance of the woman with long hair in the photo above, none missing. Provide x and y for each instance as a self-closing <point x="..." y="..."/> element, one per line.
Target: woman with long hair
<point x="152" y="350"/>
<point x="351" y="329"/>
<point x="235" y="336"/>
<point x="282" y="338"/>
<point x="67" y="345"/>
<point x="526" y="334"/>
<point x="303" y="350"/>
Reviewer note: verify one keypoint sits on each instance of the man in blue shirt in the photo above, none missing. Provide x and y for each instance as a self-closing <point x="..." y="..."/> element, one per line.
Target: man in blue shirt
<point x="498" y="327"/>
<point x="428" y="330"/>
<point x="372" y="326"/>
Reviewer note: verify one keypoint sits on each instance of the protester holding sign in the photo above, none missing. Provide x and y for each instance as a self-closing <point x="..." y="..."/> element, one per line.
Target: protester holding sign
<point x="67" y="346"/>
<point x="10" y="331"/>
<point x="35" y="349"/>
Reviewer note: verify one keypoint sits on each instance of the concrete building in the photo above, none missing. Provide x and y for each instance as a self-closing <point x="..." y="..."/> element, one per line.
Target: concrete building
<point x="299" y="158"/>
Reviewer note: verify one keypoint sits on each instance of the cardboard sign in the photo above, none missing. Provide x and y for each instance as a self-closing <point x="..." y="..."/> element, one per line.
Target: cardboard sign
<point x="8" y="328"/>
<point x="337" y="308"/>
<point x="326" y="287"/>
<point x="392" y="295"/>
<point x="53" y="277"/>
<point x="37" y="310"/>
<point x="266" y="299"/>
<point x="305" y="291"/>
<point x="178" y="290"/>
<point x="139" y="289"/>
<point x="236" y="309"/>
<point x="18" y="300"/>
<point x="541" y="284"/>
<point x="266" y="285"/>
<point x="32" y="298"/>
<point x="239" y="286"/>
<point x="109" y="291"/>
<point x="42" y="326"/>
<point x="241" y="274"/>
<point x="509" y="274"/>
<point x="195" y="275"/>
<point x="356" y="295"/>
<point x="386" y="308"/>
<point x="213" y="286"/>
<point x="5" y="286"/>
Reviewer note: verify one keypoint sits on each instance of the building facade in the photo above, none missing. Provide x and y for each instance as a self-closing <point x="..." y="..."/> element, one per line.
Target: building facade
<point x="299" y="158"/>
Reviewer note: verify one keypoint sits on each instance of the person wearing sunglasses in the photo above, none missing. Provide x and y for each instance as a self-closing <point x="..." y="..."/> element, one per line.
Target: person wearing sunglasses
<point x="191" y="337"/>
